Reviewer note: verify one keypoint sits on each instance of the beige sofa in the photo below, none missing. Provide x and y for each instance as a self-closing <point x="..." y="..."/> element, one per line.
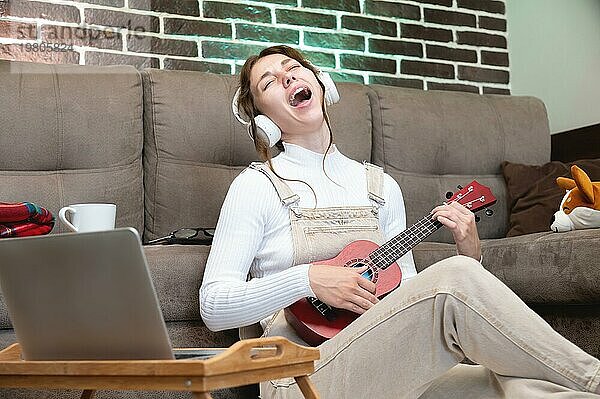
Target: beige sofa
<point x="164" y="146"/>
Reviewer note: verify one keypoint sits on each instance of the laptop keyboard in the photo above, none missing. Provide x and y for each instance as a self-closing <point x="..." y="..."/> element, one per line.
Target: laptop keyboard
<point x="199" y="354"/>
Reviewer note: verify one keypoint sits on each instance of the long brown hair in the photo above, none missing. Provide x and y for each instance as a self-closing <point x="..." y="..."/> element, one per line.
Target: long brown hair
<point x="247" y="105"/>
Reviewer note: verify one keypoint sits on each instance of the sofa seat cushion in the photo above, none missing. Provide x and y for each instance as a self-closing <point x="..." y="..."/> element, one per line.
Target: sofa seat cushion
<point x="542" y="268"/>
<point x="177" y="272"/>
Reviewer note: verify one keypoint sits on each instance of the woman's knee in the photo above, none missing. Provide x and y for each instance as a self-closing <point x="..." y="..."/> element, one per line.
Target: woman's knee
<point x="459" y="271"/>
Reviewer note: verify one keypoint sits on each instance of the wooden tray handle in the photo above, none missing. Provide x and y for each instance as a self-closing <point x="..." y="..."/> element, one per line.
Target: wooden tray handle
<point x="262" y="352"/>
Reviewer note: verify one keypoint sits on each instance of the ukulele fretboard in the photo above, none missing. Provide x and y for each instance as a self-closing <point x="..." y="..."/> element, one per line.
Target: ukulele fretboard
<point x="398" y="246"/>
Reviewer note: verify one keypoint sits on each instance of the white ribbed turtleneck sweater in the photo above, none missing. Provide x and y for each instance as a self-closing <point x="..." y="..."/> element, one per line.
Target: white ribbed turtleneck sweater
<point x="253" y="235"/>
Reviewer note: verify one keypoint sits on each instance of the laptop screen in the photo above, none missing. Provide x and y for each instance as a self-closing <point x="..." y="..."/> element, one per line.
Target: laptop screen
<point x="79" y="296"/>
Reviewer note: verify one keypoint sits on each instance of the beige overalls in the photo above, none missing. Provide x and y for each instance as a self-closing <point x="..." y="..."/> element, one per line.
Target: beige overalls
<point x="407" y="345"/>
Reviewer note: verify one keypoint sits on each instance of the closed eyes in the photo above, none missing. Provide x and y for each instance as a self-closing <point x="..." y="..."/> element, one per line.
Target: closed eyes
<point x="268" y="83"/>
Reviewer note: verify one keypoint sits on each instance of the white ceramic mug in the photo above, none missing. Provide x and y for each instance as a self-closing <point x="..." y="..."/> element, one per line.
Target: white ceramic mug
<point x="89" y="217"/>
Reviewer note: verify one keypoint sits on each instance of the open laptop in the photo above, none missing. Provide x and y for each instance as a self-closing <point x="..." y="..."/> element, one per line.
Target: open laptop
<point x="89" y="296"/>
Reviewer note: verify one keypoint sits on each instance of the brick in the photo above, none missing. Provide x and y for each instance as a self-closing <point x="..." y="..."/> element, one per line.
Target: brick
<point x="226" y="50"/>
<point x="346" y="77"/>
<point x="359" y="62"/>
<point x="177" y="26"/>
<point x="337" y="40"/>
<point x="447" y="3"/>
<point x="133" y="22"/>
<point x="3" y="8"/>
<point x="107" y="38"/>
<point x="372" y="25"/>
<point x="155" y="45"/>
<point x="112" y="3"/>
<point x="492" y="23"/>
<point x="19" y="53"/>
<point x="302" y="18"/>
<point x="18" y="30"/>
<point x="395" y="47"/>
<point x="201" y="66"/>
<point x="494" y="58"/>
<point x="449" y="17"/>
<point x="270" y="34"/>
<point x="101" y="58"/>
<point x="481" y="39"/>
<point x="421" y="32"/>
<point x="452" y="87"/>
<point x="52" y="12"/>
<point x="342" y="5"/>
<point x="181" y="7"/>
<point x="492" y="6"/>
<point x="320" y="59"/>
<point x="495" y="90"/>
<point x="451" y="54"/>
<point x="422" y="68"/>
<point x="392" y="9"/>
<point x="236" y="11"/>
<point x="400" y="82"/>
<point x="476" y="74"/>
<point x="284" y="2"/>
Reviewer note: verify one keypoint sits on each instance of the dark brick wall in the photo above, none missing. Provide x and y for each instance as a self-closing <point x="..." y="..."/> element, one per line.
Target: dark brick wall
<point x="432" y="44"/>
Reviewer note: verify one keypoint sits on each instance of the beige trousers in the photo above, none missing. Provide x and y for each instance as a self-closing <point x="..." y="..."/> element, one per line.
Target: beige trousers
<point x="407" y="346"/>
<point x="411" y="343"/>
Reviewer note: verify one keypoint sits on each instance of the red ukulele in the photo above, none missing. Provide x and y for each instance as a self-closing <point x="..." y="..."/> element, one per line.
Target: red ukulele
<point x="315" y="321"/>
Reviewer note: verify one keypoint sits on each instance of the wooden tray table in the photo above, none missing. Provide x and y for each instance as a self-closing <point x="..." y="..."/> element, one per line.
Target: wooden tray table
<point x="245" y="362"/>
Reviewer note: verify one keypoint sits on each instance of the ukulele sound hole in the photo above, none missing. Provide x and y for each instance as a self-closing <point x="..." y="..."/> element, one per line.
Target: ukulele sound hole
<point x="370" y="274"/>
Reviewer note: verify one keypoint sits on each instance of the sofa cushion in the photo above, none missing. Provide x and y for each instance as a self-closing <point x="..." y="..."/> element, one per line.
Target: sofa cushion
<point x="542" y="268"/>
<point x="533" y="195"/>
<point x="177" y="272"/>
<point x="433" y="140"/>
<point x="72" y="134"/>
<point x="190" y="159"/>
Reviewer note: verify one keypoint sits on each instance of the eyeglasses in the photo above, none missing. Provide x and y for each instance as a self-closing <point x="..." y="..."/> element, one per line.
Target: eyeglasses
<point x="186" y="233"/>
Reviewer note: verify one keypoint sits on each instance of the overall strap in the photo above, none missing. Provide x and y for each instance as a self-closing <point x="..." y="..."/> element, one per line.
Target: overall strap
<point x="285" y="193"/>
<point x="375" y="183"/>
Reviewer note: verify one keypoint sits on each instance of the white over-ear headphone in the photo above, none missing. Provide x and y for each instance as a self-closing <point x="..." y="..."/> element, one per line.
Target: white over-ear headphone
<point x="266" y="128"/>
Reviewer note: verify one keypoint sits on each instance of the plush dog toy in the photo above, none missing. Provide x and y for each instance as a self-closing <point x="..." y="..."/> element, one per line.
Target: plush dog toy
<point x="580" y="207"/>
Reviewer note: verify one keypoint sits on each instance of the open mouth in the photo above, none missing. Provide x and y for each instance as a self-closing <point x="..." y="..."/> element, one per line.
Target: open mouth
<point x="299" y="96"/>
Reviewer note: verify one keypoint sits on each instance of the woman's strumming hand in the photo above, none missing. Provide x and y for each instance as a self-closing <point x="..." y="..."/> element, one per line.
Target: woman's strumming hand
<point x="342" y="287"/>
<point x="461" y="223"/>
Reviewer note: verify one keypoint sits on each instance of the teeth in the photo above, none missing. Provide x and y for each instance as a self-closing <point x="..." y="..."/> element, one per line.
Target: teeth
<point x="298" y="90"/>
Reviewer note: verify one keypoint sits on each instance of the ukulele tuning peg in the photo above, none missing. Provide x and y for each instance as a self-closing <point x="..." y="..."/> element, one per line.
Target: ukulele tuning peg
<point x="459" y="187"/>
<point x="477" y="218"/>
<point x="489" y="212"/>
<point x="449" y="194"/>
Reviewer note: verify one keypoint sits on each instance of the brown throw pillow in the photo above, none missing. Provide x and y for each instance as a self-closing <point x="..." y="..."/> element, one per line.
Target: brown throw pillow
<point x="532" y="193"/>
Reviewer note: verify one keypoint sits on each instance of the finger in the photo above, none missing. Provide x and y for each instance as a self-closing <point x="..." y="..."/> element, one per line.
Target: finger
<point x="354" y="308"/>
<point x="363" y="295"/>
<point x="447" y="213"/>
<point x="439" y="208"/>
<point x="359" y="304"/>
<point x="368" y="285"/>
<point x="359" y="269"/>
<point x="460" y="208"/>
<point x="447" y="222"/>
